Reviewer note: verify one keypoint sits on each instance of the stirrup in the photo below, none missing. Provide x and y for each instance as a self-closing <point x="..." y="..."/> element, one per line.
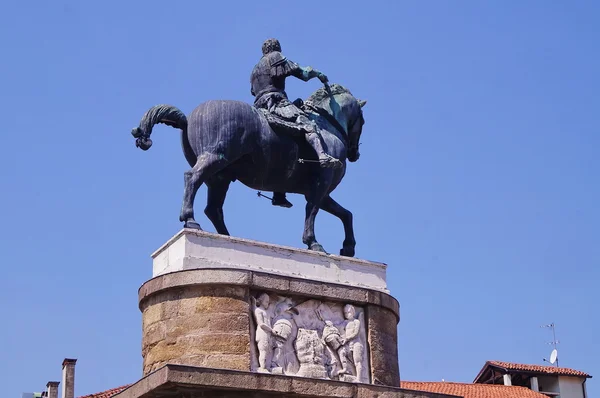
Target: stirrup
<point x="281" y="203"/>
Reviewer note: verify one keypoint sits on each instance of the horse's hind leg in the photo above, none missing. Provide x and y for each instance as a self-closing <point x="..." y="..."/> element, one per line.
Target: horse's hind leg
<point x="206" y="165"/>
<point x="217" y="191"/>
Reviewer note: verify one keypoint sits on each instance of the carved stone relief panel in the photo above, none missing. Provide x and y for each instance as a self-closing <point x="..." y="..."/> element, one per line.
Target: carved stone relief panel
<point x="309" y="338"/>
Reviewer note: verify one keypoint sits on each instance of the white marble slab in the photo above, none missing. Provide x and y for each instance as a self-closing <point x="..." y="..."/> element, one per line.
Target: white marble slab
<point x="193" y="249"/>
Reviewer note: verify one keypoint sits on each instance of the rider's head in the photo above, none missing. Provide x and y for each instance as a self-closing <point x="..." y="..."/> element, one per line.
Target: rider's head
<point x="270" y="45"/>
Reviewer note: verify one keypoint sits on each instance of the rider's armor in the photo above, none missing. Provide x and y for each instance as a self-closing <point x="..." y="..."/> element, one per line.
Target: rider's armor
<point x="268" y="87"/>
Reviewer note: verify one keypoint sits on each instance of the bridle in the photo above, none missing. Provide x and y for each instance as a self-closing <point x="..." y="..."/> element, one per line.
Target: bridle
<point x="334" y="122"/>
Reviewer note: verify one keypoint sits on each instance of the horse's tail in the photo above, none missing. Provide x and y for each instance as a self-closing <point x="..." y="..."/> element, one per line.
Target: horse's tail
<point x="166" y="114"/>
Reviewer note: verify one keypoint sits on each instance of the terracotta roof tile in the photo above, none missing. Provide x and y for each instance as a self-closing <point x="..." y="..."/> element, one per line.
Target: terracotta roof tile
<point x="107" y="393"/>
<point x="551" y="370"/>
<point x="472" y="390"/>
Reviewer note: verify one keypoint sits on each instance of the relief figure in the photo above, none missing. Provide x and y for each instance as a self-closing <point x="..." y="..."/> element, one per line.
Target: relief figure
<point x="264" y="333"/>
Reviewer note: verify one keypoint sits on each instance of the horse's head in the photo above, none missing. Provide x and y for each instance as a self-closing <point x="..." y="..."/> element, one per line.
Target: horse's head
<point x="354" y="132"/>
<point x="338" y="102"/>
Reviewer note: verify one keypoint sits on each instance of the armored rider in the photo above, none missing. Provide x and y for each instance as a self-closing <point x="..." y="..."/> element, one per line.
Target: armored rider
<point x="268" y="88"/>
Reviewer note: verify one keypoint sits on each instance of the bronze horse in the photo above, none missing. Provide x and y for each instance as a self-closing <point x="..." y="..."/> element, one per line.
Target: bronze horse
<point x="224" y="141"/>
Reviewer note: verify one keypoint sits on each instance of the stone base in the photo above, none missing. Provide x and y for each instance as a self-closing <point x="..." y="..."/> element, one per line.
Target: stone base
<point x="177" y="381"/>
<point x="203" y="317"/>
<point x="194" y="249"/>
<point x="229" y="303"/>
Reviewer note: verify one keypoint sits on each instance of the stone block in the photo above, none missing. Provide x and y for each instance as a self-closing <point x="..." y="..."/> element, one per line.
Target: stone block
<point x="178" y="381"/>
<point x="216" y="277"/>
<point x="154" y="366"/>
<point x="192" y="249"/>
<point x="270" y="282"/>
<point x="210" y="290"/>
<point x="383" y="320"/>
<point x="196" y="323"/>
<point x="164" y="352"/>
<point x="221" y="361"/>
<point x="382" y="338"/>
<point x="322" y="389"/>
<point x="374" y="297"/>
<point x="151" y="314"/>
<point x="345" y="293"/>
<point x="169" y="309"/>
<point x="221" y="305"/>
<point x="154" y="333"/>
<point x="390" y="302"/>
<point x="306" y="288"/>
<point x="215" y="343"/>
<point x="366" y="391"/>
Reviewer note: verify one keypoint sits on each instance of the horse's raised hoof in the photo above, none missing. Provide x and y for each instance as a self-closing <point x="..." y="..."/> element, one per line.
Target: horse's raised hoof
<point x="316" y="247"/>
<point x="192" y="225"/>
<point x="347" y="252"/>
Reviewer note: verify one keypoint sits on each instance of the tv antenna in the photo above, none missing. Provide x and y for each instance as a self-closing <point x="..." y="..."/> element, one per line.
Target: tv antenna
<point x="554" y="354"/>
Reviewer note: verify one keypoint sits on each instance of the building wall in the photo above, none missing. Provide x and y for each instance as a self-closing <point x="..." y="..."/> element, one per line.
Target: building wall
<point x="570" y="387"/>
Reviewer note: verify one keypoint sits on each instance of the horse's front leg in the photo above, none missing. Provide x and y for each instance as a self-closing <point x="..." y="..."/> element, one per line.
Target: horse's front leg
<point x="308" y="237"/>
<point x="313" y="202"/>
<point x="334" y="208"/>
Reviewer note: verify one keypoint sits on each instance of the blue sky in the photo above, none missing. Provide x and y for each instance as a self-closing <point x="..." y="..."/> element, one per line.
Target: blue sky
<point x="477" y="184"/>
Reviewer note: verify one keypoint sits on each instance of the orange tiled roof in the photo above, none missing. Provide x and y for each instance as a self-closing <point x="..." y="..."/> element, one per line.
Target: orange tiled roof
<point x="551" y="370"/>
<point x="107" y="393"/>
<point x="472" y="390"/>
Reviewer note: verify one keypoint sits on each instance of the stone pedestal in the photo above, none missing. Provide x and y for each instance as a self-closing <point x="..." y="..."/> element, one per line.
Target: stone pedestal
<point x="266" y="314"/>
<point x="192" y="249"/>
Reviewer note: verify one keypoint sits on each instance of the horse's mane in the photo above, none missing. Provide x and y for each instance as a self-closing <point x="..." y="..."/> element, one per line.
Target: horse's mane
<point x="323" y="94"/>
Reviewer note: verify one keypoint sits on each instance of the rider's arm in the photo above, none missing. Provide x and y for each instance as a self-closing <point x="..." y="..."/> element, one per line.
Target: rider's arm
<point x="306" y="73"/>
<point x="281" y="66"/>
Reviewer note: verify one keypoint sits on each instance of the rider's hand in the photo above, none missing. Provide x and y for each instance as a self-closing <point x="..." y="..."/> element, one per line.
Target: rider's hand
<point x="323" y="78"/>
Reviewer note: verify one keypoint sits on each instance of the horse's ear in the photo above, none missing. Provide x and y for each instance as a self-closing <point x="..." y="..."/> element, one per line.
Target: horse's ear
<point x="362" y="103"/>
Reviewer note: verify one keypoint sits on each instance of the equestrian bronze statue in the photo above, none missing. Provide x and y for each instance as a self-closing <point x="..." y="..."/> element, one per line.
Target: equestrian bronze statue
<point x="274" y="145"/>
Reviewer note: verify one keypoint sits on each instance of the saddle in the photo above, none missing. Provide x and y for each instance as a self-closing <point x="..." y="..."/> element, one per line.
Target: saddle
<point x="280" y="125"/>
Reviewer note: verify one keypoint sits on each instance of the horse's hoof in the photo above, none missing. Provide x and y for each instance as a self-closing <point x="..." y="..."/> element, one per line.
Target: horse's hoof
<point x="316" y="247"/>
<point x="347" y="252"/>
<point x="192" y="225"/>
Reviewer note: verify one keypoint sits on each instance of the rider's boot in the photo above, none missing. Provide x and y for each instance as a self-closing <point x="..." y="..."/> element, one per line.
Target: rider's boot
<point x="279" y="199"/>
<point x="325" y="160"/>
